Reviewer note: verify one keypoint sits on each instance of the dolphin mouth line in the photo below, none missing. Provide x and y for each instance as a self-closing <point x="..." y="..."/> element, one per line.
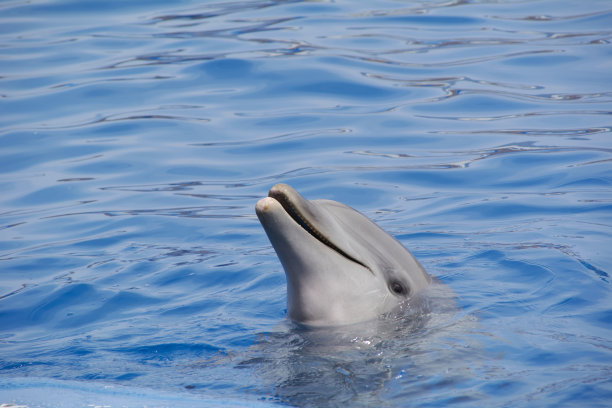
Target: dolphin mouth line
<point x="302" y="221"/>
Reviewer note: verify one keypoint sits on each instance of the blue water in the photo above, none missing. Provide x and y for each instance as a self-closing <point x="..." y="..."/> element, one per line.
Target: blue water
<point x="136" y="138"/>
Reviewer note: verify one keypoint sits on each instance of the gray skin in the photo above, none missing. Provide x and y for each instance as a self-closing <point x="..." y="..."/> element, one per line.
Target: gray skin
<point x="341" y="268"/>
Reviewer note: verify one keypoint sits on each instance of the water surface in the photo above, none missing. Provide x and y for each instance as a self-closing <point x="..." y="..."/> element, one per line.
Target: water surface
<point x="136" y="138"/>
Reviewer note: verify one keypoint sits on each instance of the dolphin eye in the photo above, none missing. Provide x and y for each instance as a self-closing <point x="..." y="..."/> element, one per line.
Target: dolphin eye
<point x="397" y="288"/>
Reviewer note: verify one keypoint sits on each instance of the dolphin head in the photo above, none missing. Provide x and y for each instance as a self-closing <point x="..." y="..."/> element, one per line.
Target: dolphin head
<point x="341" y="268"/>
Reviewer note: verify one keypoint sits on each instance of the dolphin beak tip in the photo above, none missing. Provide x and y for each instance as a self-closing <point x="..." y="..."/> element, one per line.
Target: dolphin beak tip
<point x="264" y="205"/>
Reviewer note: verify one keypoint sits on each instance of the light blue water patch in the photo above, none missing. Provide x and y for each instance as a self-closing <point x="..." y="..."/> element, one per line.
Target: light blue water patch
<point x="49" y="393"/>
<point x="135" y="140"/>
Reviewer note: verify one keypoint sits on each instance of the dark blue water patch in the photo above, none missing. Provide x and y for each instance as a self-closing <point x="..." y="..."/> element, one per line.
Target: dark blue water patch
<point x="123" y="371"/>
<point x="113" y="308"/>
<point x="573" y="264"/>
<point x="571" y="302"/>
<point x="368" y="65"/>
<point x="20" y="161"/>
<point x="20" y="301"/>
<point x="601" y="19"/>
<point x="28" y="268"/>
<point x="15" y="27"/>
<point x="51" y="195"/>
<point x="74" y="350"/>
<point x="62" y="304"/>
<point x="228" y="69"/>
<point x="280" y="148"/>
<point x="72" y="157"/>
<point x="430" y="179"/>
<point x="525" y="272"/>
<point x="601" y="319"/>
<point x="307" y="8"/>
<point x="356" y="197"/>
<point x="426" y="20"/>
<point x="166" y="352"/>
<point x="104" y="242"/>
<point x="594" y="388"/>
<point x="347" y="89"/>
<point x="503" y="387"/>
<point x="101" y="166"/>
<point x="541" y="358"/>
<point x="426" y="236"/>
<point x="70" y="306"/>
<point x="599" y="271"/>
<point x="509" y="210"/>
<point x="196" y="271"/>
<point x="489" y="255"/>
<point x="589" y="182"/>
<point x="286" y="121"/>
<point x="224" y="276"/>
<point x="295" y="82"/>
<point x="203" y="171"/>
<point x="23" y="86"/>
<point x="75" y="8"/>
<point x="7" y="365"/>
<point x="48" y="311"/>
<point x="191" y="308"/>
<point x="178" y="276"/>
<point x="542" y="60"/>
<point x="489" y="103"/>
<point x="13" y="157"/>
<point x="112" y="130"/>
<point x="128" y="376"/>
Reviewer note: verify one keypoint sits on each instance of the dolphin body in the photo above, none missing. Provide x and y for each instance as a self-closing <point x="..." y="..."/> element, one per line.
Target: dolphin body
<point x="341" y="268"/>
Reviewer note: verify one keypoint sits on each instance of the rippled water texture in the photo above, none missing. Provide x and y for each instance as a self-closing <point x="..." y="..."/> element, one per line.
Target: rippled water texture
<point x="136" y="137"/>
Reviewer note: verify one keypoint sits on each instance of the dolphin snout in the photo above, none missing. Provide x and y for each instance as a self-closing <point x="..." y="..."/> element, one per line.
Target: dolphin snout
<point x="265" y="205"/>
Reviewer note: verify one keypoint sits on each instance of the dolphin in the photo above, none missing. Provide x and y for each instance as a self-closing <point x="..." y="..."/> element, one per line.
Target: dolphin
<point x="341" y="267"/>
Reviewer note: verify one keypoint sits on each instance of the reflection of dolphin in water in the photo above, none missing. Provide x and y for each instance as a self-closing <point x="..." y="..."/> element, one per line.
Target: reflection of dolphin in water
<point x="341" y="267"/>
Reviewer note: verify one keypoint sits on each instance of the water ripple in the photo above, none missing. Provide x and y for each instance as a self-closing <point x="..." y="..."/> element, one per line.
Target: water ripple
<point x="585" y="98"/>
<point x="135" y="141"/>
<point x="549" y="17"/>
<point x="520" y="115"/>
<point x="535" y="132"/>
<point x="480" y="154"/>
